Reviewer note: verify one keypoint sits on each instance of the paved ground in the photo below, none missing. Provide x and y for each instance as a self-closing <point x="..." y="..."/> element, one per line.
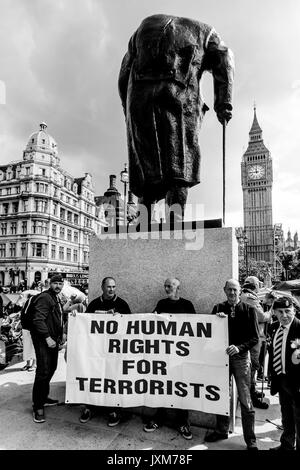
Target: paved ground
<point x="63" y="430"/>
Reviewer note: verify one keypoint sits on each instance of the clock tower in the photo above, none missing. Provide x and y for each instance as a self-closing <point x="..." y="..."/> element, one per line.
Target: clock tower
<point x="257" y="179"/>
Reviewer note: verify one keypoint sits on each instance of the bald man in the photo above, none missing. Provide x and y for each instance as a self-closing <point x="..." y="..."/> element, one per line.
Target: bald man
<point x="172" y="304"/>
<point x="242" y="336"/>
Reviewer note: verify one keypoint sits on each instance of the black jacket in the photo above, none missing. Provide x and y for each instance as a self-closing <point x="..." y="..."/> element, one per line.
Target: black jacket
<point x="243" y="328"/>
<point x="47" y="316"/>
<point x="292" y="370"/>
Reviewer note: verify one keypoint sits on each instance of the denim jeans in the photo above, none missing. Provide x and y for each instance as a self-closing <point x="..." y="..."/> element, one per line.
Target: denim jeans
<point x="240" y="368"/>
<point x="255" y="365"/>
<point x="46" y="364"/>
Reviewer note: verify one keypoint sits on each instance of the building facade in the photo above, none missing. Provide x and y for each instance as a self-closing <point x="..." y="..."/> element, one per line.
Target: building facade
<point x="257" y="181"/>
<point x="46" y="216"/>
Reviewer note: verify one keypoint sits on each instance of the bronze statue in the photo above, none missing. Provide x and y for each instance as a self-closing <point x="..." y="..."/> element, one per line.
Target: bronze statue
<point x="159" y="85"/>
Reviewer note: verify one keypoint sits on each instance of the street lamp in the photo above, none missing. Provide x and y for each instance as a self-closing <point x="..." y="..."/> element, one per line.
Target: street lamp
<point x="246" y="240"/>
<point x="26" y="263"/>
<point x="125" y="178"/>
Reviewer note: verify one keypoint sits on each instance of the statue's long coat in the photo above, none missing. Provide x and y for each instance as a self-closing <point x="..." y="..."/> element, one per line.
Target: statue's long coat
<point x="159" y="85"/>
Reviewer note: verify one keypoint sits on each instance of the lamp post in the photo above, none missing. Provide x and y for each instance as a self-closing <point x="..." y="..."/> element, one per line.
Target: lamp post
<point x="125" y="178"/>
<point x="246" y="240"/>
<point x="26" y="263"/>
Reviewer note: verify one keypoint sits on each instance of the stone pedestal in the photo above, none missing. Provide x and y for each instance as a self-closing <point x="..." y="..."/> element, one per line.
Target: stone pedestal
<point x="202" y="255"/>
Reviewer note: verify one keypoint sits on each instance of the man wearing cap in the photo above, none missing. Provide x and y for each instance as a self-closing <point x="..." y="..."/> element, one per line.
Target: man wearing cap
<point x="249" y="297"/>
<point x="242" y="336"/>
<point x="47" y="334"/>
<point x="285" y="370"/>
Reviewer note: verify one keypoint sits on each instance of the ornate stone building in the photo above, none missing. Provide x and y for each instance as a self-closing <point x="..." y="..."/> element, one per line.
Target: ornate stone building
<point x="46" y="216"/>
<point x="257" y="181"/>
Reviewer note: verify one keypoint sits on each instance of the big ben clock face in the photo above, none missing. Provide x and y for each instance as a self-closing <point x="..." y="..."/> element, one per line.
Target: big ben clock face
<point x="256" y="172"/>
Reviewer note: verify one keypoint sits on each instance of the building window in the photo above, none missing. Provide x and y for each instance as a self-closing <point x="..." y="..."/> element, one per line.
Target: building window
<point x="12" y="249"/>
<point x="39" y="250"/>
<point x="24" y="227"/>
<point x="41" y="188"/>
<point x="85" y="257"/>
<point x="41" y="206"/>
<point x="5" y="209"/>
<point x="4" y="228"/>
<point x="25" y="205"/>
<point x="62" y="233"/>
<point x="23" y="249"/>
<point x="68" y="254"/>
<point x="69" y="216"/>
<point x="62" y="214"/>
<point x="13" y="228"/>
<point x="75" y="237"/>
<point x="53" y="251"/>
<point x="55" y="205"/>
<point x="53" y="230"/>
<point x="8" y="191"/>
<point x="15" y="207"/>
<point x="76" y="219"/>
<point x="61" y="253"/>
<point x="69" y="235"/>
<point x="43" y="172"/>
<point x="18" y="189"/>
<point x="2" y="250"/>
<point x="75" y="256"/>
<point x="26" y="187"/>
<point x="27" y="170"/>
<point x="39" y="227"/>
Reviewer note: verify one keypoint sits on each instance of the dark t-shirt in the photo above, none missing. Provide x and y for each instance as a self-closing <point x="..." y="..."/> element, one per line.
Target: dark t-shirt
<point x="116" y="303"/>
<point x="174" y="306"/>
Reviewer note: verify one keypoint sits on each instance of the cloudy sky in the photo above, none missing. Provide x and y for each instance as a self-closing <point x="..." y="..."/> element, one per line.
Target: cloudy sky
<point x="60" y="60"/>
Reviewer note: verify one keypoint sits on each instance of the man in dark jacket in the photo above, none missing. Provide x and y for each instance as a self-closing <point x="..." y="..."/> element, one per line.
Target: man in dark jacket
<point x="47" y="334"/>
<point x="249" y="296"/>
<point x="159" y="86"/>
<point x="243" y="335"/>
<point x="285" y="370"/>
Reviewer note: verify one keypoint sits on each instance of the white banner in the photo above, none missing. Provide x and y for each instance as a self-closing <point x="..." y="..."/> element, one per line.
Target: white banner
<point x="169" y="361"/>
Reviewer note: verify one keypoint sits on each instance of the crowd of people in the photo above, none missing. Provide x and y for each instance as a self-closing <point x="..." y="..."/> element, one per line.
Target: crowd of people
<point x="254" y="327"/>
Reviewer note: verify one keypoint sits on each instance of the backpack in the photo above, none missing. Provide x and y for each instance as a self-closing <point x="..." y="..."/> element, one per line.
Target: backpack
<point x="27" y="311"/>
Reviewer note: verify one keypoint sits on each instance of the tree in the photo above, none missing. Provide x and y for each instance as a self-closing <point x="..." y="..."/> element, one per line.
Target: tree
<point x="287" y="259"/>
<point x="260" y="269"/>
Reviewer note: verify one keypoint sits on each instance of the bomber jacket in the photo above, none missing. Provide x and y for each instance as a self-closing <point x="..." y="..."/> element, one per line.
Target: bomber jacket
<point x="47" y="316"/>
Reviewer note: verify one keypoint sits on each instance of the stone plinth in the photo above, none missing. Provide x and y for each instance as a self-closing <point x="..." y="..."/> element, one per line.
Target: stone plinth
<point x="202" y="258"/>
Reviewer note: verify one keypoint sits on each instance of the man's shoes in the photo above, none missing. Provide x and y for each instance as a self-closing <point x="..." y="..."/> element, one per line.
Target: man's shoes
<point x="151" y="426"/>
<point x="186" y="432"/>
<point x="38" y="416"/>
<point x="259" y="404"/>
<point x="252" y="448"/>
<point x="85" y="416"/>
<point x="51" y="402"/>
<point x="113" y="419"/>
<point x="215" y="436"/>
<point x="259" y="395"/>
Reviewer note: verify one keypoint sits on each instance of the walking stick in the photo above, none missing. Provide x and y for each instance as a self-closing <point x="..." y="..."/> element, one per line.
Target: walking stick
<point x="224" y="174"/>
